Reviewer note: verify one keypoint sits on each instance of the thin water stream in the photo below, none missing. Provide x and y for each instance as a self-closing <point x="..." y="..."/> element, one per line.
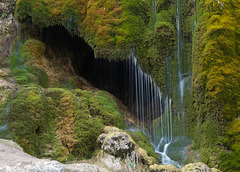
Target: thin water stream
<point x="153" y="111"/>
<point x="4" y="131"/>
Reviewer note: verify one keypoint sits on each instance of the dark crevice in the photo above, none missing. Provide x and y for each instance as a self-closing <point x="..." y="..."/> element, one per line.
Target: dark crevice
<point x="104" y="74"/>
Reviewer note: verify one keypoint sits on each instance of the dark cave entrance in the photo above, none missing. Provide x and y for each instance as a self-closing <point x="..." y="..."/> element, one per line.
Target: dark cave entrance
<point x="111" y="76"/>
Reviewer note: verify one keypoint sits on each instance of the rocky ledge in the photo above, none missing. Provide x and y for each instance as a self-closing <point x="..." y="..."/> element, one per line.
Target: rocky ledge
<point x="13" y="159"/>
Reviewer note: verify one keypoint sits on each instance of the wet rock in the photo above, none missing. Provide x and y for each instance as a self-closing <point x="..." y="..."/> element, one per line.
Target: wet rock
<point x="196" y="167"/>
<point x="116" y="143"/>
<point x="163" y="168"/>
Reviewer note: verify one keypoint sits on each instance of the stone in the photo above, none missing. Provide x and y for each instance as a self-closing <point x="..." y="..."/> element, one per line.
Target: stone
<point x="116" y="143"/>
<point x="3" y="73"/>
<point x="196" y="167"/>
<point x="13" y="159"/>
<point x="163" y="168"/>
<point x="81" y="167"/>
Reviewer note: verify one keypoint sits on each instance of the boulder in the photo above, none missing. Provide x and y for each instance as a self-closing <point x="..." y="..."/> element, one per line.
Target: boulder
<point x="13" y="159"/>
<point x="163" y="168"/>
<point x="116" y="143"/>
<point x="196" y="167"/>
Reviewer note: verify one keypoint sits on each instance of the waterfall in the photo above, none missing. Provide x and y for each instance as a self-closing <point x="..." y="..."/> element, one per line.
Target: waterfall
<point x="152" y="110"/>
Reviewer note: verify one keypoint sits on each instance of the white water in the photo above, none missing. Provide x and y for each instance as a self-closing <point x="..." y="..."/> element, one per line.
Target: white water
<point x="153" y="112"/>
<point x="179" y="51"/>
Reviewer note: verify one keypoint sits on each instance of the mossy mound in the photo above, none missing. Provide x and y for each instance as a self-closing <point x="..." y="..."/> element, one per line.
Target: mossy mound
<point x="26" y="63"/>
<point x="144" y="142"/>
<point x="60" y="124"/>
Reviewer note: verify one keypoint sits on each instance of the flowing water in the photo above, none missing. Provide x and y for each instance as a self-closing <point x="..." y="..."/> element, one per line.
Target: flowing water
<point x="153" y="111"/>
<point x="4" y="132"/>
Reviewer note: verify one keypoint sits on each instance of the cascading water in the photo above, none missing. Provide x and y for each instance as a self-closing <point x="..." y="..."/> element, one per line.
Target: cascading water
<point x="153" y="112"/>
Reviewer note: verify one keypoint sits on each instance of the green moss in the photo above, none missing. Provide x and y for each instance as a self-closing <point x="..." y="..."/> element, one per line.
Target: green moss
<point x="216" y="81"/>
<point x="31" y="121"/>
<point x="144" y="142"/>
<point x="60" y="124"/>
<point x="104" y="106"/>
<point x="26" y="64"/>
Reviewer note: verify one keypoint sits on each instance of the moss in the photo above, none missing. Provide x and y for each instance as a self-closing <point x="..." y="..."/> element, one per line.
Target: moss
<point x="20" y="73"/>
<point x="144" y="142"/>
<point x="104" y="106"/>
<point x="31" y="121"/>
<point x="58" y="123"/>
<point x="215" y="80"/>
<point x="27" y="65"/>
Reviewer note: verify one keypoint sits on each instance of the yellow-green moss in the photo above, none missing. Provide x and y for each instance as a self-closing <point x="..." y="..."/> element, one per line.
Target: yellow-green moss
<point x="216" y="80"/>
<point x="144" y="142"/>
<point x="60" y="124"/>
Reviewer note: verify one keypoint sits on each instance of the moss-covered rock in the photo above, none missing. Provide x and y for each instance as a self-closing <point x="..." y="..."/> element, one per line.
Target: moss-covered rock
<point x="216" y="78"/>
<point x="144" y="142"/>
<point x="122" y="150"/>
<point x="58" y="123"/>
<point x="165" y="168"/>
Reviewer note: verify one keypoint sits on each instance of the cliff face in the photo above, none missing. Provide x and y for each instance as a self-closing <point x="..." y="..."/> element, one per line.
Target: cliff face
<point x="216" y="79"/>
<point x="112" y="29"/>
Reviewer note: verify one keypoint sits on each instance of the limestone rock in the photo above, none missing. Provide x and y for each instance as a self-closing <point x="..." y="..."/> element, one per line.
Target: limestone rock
<point x="163" y="168"/>
<point x="116" y="143"/>
<point x="3" y="73"/>
<point x="196" y="167"/>
<point x="13" y="159"/>
<point x="83" y="167"/>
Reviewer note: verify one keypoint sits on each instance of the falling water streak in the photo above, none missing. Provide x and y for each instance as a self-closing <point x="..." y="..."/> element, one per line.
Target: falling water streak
<point x="143" y="114"/>
<point x="148" y="109"/>
<point x="181" y="86"/>
<point x="135" y="64"/>
<point x="139" y="94"/>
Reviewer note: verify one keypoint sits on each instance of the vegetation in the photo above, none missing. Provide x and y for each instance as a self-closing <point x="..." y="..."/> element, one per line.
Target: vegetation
<point x="38" y="121"/>
<point x="216" y="80"/>
<point x="144" y="142"/>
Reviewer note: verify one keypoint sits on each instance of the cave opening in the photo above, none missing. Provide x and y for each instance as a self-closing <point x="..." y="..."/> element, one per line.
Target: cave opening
<point x="111" y="76"/>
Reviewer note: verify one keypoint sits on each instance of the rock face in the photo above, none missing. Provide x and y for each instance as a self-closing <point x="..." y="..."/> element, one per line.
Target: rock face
<point x="6" y="16"/>
<point x="12" y="159"/>
<point x="116" y="143"/>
